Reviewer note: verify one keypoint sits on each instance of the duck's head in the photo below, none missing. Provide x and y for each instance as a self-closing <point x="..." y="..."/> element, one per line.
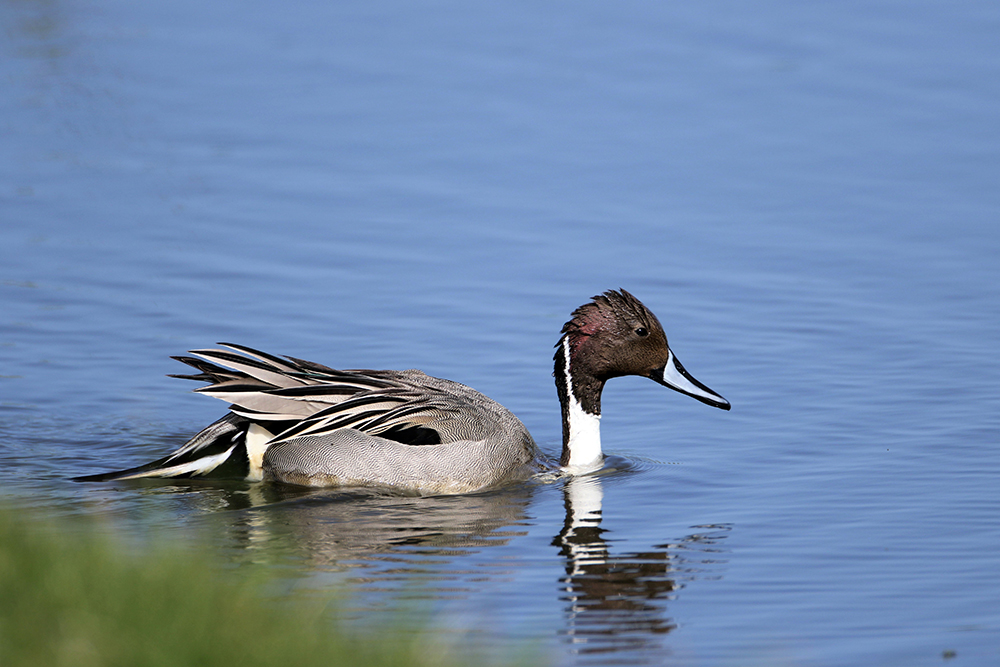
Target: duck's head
<point x="615" y="335"/>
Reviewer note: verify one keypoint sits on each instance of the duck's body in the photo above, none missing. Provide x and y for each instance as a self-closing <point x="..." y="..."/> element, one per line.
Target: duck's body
<point x="298" y="422"/>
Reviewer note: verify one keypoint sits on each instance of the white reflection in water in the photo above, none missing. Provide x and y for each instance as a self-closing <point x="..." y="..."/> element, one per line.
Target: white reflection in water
<point x="617" y="602"/>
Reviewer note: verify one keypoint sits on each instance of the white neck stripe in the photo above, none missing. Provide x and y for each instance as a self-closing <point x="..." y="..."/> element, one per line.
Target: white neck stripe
<point x="584" y="428"/>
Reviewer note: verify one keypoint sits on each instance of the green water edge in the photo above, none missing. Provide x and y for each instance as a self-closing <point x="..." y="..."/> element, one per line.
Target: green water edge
<point x="69" y="595"/>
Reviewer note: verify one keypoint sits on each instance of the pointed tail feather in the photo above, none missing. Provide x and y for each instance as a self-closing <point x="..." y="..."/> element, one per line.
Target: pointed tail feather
<point x="222" y="442"/>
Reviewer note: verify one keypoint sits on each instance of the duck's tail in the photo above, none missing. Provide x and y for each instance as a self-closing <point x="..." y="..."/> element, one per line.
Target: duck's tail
<point x="266" y="394"/>
<point x="221" y="448"/>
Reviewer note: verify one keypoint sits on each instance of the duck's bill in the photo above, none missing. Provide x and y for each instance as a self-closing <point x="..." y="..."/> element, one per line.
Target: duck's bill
<point x="674" y="375"/>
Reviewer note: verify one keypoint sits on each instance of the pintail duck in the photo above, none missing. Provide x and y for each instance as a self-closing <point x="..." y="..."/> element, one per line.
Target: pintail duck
<point x="299" y="422"/>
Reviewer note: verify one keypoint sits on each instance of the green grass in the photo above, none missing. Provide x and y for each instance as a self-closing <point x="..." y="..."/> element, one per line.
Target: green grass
<point x="72" y="598"/>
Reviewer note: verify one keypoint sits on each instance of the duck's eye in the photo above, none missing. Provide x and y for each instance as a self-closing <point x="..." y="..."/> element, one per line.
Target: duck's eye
<point x="641" y="331"/>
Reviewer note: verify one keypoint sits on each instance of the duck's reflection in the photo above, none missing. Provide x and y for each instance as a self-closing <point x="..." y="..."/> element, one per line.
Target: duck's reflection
<point x="618" y="602"/>
<point x="337" y="531"/>
<point x="440" y="548"/>
<point x="314" y="530"/>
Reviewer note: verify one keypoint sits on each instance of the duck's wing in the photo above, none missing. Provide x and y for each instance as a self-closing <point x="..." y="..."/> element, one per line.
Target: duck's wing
<point x="263" y="387"/>
<point x="268" y="395"/>
<point x="400" y="413"/>
<point x="309" y="399"/>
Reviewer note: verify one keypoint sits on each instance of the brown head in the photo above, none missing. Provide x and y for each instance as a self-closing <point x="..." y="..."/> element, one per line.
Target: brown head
<point x="616" y="335"/>
<point x="611" y="336"/>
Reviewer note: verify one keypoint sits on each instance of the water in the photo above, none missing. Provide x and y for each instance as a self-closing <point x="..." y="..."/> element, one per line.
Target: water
<point x="806" y="196"/>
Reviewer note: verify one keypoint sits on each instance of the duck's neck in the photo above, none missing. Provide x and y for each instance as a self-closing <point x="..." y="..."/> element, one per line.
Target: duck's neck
<point x="580" y="396"/>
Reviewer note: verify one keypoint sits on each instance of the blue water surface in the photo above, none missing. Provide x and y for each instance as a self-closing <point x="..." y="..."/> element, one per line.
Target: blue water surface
<point x="806" y="195"/>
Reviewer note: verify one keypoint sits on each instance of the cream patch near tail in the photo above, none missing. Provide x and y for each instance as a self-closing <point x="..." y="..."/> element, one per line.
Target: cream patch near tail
<point x="258" y="439"/>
